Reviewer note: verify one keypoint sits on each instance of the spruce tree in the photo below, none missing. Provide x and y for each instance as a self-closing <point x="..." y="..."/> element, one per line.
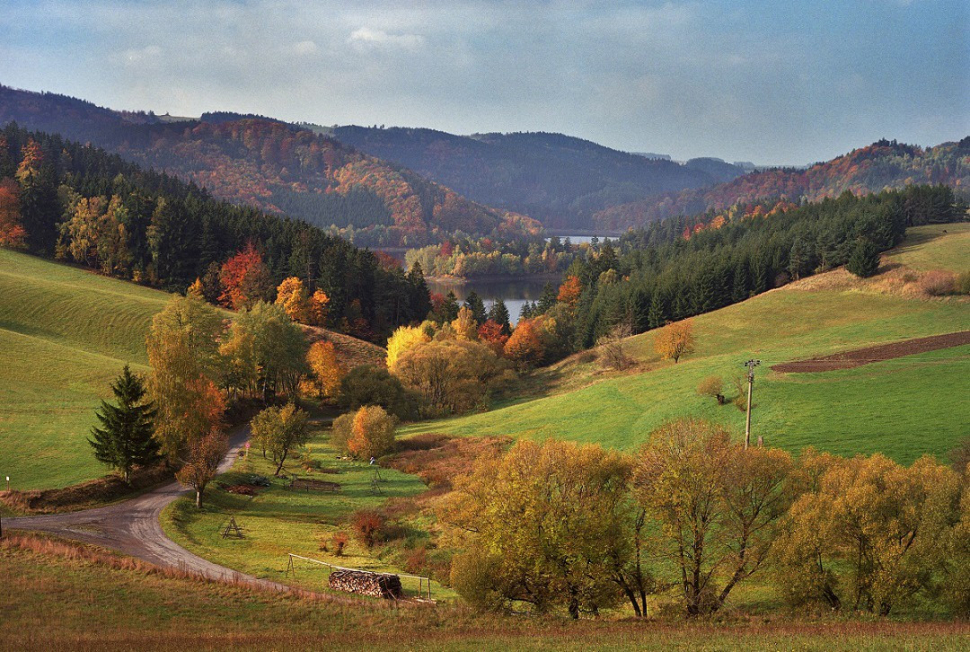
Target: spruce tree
<point x="125" y="436"/>
<point x="864" y="261"/>
<point x="474" y="303"/>
<point x="499" y="313"/>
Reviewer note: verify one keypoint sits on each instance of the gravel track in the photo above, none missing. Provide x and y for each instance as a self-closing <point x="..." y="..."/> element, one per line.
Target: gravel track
<point x="132" y="527"/>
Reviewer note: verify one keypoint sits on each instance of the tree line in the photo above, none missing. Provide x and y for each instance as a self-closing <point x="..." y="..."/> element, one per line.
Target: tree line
<point x="78" y="203"/>
<point x="686" y="266"/>
<point x="694" y="514"/>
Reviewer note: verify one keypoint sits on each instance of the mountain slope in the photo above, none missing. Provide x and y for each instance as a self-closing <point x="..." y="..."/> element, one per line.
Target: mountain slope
<point x="556" y="179"/>
<point x="882" y="165"/>
<point x="903" y="408"/>
<point x="273" y="166"/>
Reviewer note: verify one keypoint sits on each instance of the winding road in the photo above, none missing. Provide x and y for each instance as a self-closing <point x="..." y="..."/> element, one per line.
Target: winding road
<point x="132" y="527"/>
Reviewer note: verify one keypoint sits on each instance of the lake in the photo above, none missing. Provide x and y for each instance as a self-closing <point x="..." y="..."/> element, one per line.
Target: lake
<point x="514" y="293"/>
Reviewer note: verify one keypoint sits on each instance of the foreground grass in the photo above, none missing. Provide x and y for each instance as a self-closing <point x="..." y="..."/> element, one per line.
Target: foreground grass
<point x="904" y="408"/>
<point x="280" y="520"/>
<point x="62" y="597"/>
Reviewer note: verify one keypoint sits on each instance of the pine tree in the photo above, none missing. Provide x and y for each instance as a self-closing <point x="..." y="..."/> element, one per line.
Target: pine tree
<point x="864" y="261"/>
<point x="474" y="303"/>
<point x="499" y="313"/>
<point x="547" y="300"/>
<point x="125" y="437"/>
<point x="657" y="316"/>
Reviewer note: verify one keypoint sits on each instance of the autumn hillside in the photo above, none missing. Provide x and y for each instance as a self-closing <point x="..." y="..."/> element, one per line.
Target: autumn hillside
<point x="901" y="407"/>
<point x="273" y="166"/>
<point x="66" y="333"/>
<point x="884" y="164"/>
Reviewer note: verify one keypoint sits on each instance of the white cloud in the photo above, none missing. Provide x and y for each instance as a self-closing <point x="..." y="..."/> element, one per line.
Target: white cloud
<point x="366" y="37"/>
<point x="305" y="47"/>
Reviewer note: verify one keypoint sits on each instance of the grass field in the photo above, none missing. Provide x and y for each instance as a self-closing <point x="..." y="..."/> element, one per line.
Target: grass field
<point x="65" y="335"/>
<point x="904" y="407"/>
<point x="279" y="520"/>
<point x="105" y="602"/>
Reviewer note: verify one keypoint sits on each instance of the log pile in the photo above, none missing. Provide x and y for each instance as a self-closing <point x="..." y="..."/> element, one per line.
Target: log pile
<point x="377" y="585"/>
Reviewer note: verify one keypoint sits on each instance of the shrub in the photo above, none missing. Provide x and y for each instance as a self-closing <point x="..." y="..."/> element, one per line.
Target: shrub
<point x="712" y="386"/>
<point x="369" y="527"/>
<point x="368" y="432"/>
<point x="338" y="543"/>
<point x="937" y="283"/>
<point x="962" y="283"/>
<point x="367" y="385"/>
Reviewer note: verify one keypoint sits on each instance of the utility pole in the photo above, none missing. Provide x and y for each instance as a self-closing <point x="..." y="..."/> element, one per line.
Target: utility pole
<point x="750" y="364"/>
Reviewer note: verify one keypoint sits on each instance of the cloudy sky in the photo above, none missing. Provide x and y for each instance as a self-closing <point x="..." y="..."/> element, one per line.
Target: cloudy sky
<point x="783" y="82"/>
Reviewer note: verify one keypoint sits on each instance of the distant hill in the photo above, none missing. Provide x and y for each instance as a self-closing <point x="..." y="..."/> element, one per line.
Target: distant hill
<point x="559" y="180"/>
<point x="273" y="166"/>
<point x="884" y="164"/>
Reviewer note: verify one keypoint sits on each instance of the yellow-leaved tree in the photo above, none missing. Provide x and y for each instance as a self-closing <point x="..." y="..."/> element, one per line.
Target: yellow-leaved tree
<point x="403" y="340"/>
<point x="368" y="432"/>
<point x="327" y="370"/>
<point x="293" y="296"/>
<point x="675" y="340"/>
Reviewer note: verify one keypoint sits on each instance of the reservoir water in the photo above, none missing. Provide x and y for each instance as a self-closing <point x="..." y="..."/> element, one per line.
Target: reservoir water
<point x="514" y="293"/>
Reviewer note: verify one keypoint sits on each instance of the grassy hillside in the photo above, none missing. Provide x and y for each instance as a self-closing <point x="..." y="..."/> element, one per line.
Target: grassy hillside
<point x="137" y="608"/>
<point x="65" y="334"/>
<point x="904" y="407"/>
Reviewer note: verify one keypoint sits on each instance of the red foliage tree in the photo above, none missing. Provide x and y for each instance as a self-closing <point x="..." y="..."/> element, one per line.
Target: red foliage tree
<point x="12" y="233"/>
<point x="491" y="334"/>
<point x="245" y="279"/>
<point x="569" y="291"/>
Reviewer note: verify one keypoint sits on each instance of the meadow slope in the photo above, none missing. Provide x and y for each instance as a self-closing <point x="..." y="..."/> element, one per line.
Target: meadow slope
<point x="65" y="334"/>
<point x="903" y="407"/>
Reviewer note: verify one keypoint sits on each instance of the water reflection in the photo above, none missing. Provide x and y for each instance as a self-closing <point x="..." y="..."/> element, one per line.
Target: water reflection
<point x="514" y="293"/>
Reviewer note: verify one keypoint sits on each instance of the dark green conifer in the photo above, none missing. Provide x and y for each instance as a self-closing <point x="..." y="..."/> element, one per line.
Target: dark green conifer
<point x="125" y="436"/>
<point x="864" y="261"/>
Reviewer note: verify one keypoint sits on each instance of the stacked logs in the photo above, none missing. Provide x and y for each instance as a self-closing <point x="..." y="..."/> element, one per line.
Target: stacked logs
<point x="377" y="585"/>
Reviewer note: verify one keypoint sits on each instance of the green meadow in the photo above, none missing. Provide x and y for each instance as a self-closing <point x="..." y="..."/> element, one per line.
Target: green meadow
<point x="905" y="407"/>
<point x="65" y="334"/>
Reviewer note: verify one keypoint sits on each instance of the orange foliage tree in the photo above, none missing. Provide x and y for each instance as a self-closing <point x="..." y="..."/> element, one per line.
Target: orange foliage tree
<point x="12" y="233"/>
<point x="293" y="296"/>
<point x="674" y="340"/>
<point x="569" y="291"/>
<point x="526" y="343"/>
<point x="245" y="279"/>
<point x="319" y="308"/>
<point x="326" y="368"/>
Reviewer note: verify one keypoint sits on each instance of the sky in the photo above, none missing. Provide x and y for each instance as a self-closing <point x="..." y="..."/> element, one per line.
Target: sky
<point x="783" y="82"/>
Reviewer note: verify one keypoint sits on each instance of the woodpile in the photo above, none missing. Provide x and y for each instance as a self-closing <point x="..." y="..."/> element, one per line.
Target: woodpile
<point x="376" y="585"/>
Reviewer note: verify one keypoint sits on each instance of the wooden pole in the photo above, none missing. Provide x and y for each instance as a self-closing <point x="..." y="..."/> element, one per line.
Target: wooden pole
<point x="750" y="364"/>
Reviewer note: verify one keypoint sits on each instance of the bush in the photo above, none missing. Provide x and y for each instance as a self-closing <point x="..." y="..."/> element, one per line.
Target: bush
<point x="338" y="543"/>
<point x="369" y="527"/>
<point x="368" y="432"/>
<point x="376" y="386"/>
<point x="712" y="386"/>
<point x="962" y="283"/>
<point x="938" y="283"/>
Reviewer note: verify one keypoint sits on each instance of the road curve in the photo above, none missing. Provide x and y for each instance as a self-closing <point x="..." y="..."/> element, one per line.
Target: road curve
<point x="132" y="527"/>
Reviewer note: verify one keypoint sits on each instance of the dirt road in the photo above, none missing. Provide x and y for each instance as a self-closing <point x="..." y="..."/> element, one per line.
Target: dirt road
<point x="132" y="527"/>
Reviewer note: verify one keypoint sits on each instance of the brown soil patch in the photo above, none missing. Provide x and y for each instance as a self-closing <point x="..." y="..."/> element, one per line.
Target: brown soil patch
<point x="859" y="357"/>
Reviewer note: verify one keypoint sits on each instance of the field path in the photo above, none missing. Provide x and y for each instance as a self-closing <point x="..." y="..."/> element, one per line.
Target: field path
<point x="132" y="527"/>
<point x="859" y="357"/>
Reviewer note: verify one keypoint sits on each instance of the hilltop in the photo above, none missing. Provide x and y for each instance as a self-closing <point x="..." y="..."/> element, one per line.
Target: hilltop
<point x="273" y="166"/>
<point x="66" y="333"/>
<point x="903" y="407"/>
<point x="882" y="165"/>
<point x="559" y="180"/>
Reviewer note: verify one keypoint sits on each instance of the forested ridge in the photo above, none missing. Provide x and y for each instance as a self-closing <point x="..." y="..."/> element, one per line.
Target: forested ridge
<point x="882" y="165"/>
<point x="274" y="166"/>
<point x="685" y="266"/>
<point x="79" y="203"/>
<point x="559" y="180"/>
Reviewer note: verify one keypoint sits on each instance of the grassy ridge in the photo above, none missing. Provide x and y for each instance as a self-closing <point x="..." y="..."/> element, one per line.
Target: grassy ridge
<point x="903" y="408"/>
